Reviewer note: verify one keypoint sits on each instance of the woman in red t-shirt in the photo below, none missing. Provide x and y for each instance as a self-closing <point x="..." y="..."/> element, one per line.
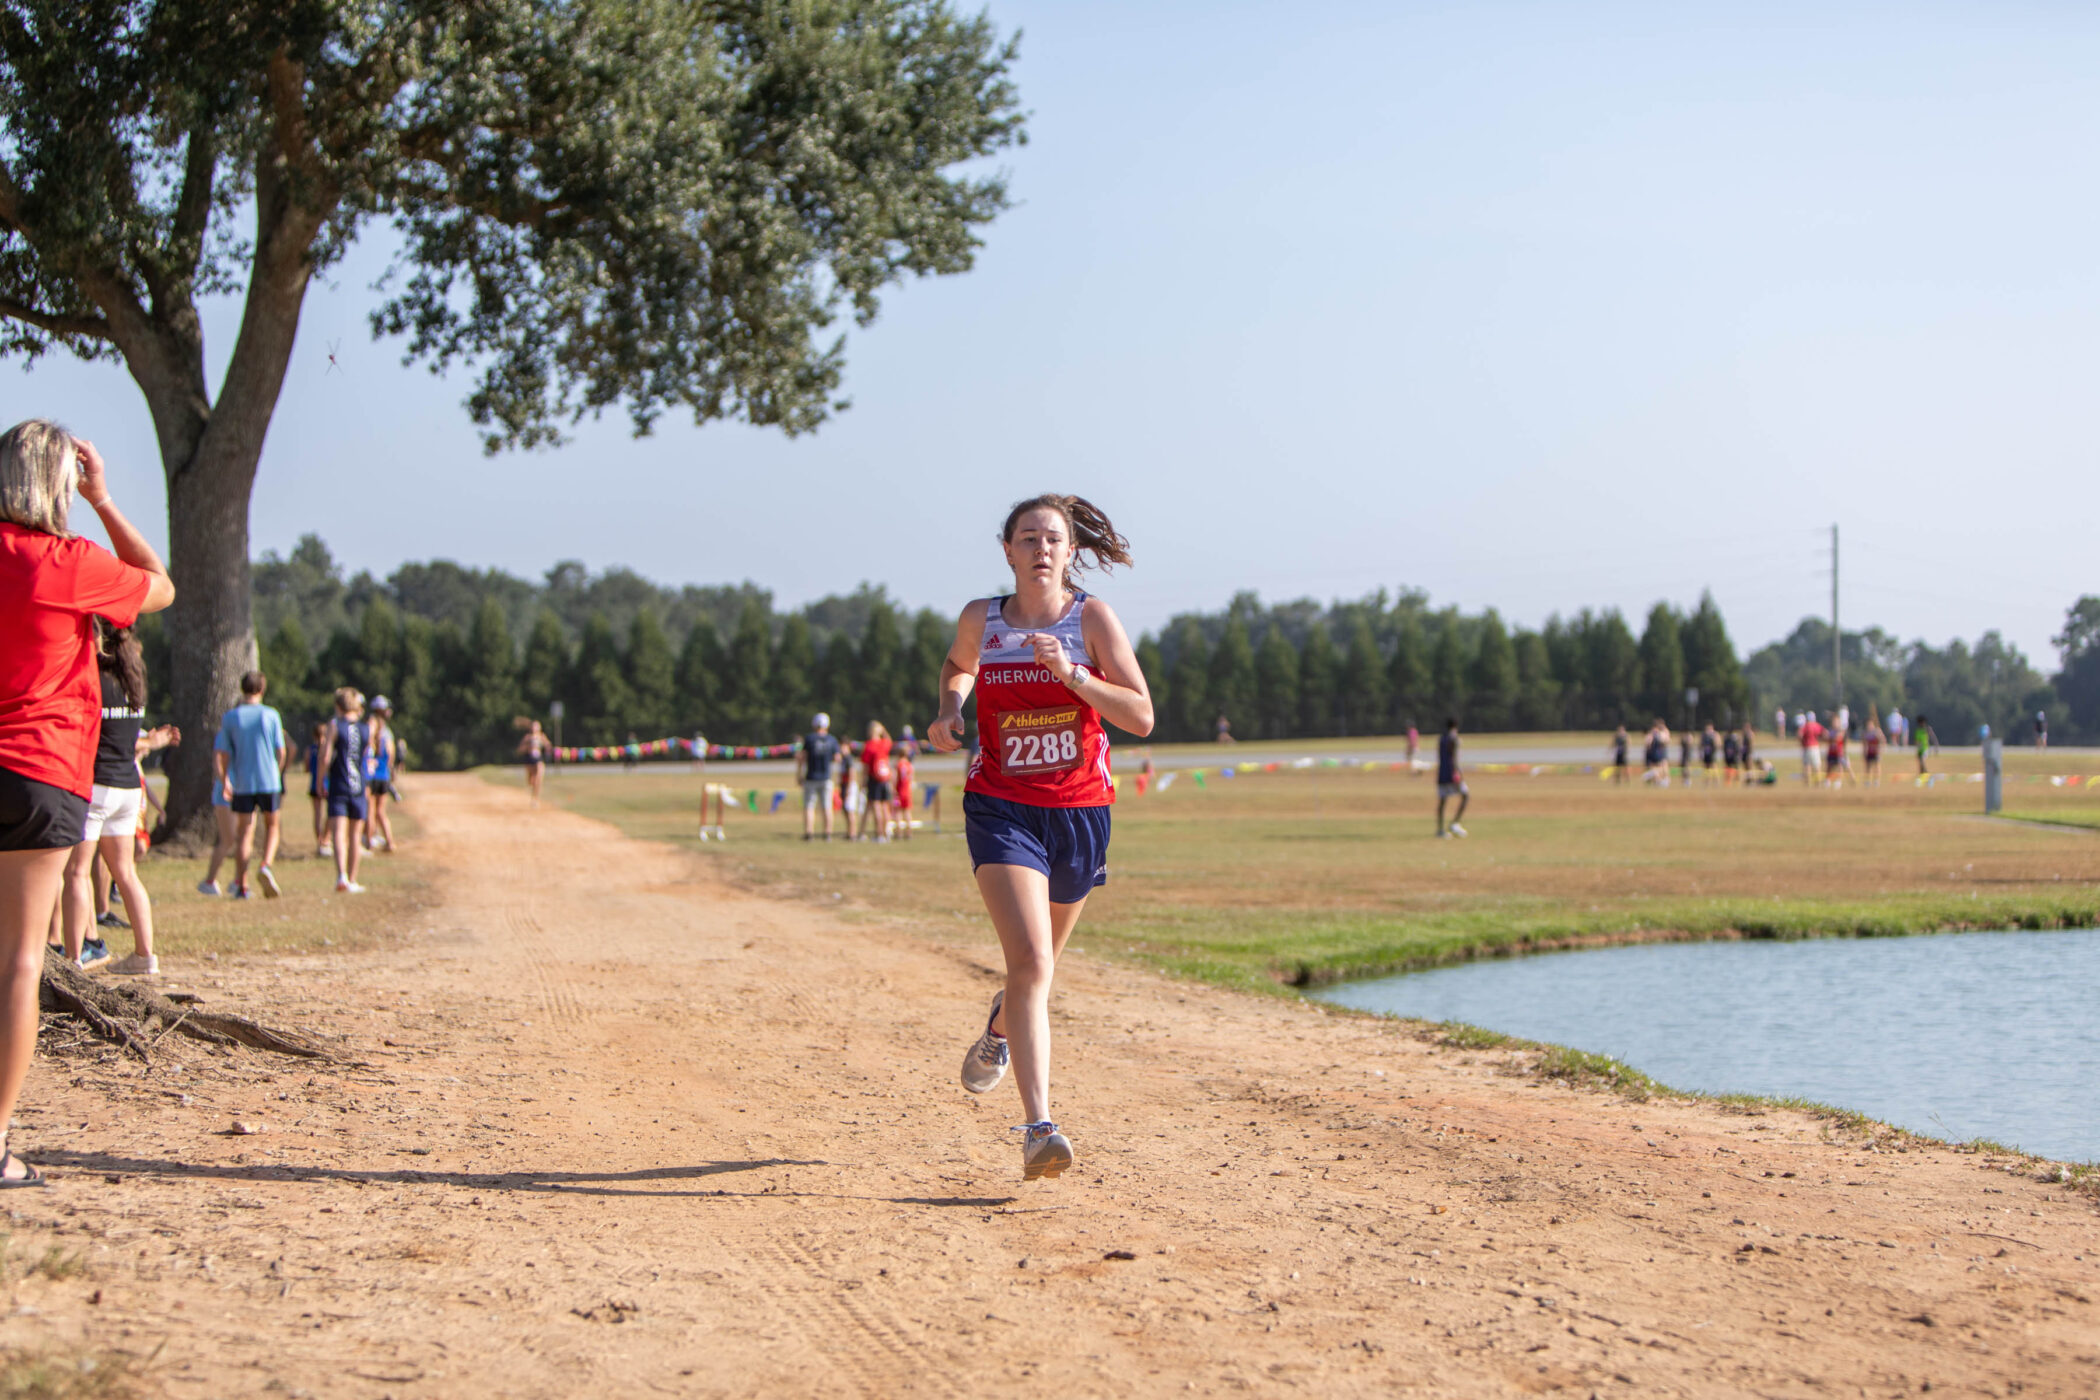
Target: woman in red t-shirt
<point x="1047" y="663"/>
<point x="875" y="764"/>
<point x="52" y="587"/>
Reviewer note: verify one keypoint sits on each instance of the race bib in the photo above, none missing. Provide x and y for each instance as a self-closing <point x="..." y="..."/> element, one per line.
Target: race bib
<point x="1039" y="741"/>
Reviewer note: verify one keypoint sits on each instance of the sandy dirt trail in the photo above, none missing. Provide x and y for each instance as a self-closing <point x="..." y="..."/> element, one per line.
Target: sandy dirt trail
<point x="626" y="1131"/>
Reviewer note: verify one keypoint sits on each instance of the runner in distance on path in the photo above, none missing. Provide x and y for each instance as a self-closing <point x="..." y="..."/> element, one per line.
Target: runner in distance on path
<point x="1048" y="662"/>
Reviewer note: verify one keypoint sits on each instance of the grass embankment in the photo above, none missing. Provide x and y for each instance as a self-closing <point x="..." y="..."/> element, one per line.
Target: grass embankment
<point x="310" y="917"/>
<point x="1302" y="877"/>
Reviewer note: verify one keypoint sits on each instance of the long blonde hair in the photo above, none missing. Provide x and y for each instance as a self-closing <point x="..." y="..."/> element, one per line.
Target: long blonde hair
<point x="876" y="731"/>
<point x="39" y="469"/>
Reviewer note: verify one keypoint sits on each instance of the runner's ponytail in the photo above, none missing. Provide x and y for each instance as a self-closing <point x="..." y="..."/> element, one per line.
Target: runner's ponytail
<point x="118" y="650"/>
<point x="1092" y="533"/>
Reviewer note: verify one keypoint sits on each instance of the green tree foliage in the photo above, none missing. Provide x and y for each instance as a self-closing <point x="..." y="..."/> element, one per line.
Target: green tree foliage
<point x="1538" y="694"/>
<point x="664" y="207"/>
<point x="1492" y="678"/>
<point x="1275" y="685"/>
<point x="930" y="636"/>
<point x="1711" y="667"/>
<point x="287" y="659"/>
<point x="794" y="676"/>
<point x="1192" y="714"/>
<point x="1319" y="681"/>
<point x="2078" y="683"/>
<point x="1407" y="672"/>
<point x="651" y="675"/>
<point x="1154" y="665"/>
<point x="546" y="665"/>
<point x="1230" y="684"/>
<point x="1447" y="671"/>
<point x="1662" y="666"/>
<point x="459" y="685"/>
<point x="487" y="687"/>
<point x="880" y="692"/>
<point x="1363" y="697"/>
<point x="746" y="708"/>
<point x="1611" y="663"/>
<point x="700" y="663"/>
<point x="378" y="655"/>
<point x="596" y="689"/>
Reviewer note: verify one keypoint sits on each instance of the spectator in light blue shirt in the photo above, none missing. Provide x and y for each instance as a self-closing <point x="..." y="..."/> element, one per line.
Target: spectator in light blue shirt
<point x="251" y="754"/>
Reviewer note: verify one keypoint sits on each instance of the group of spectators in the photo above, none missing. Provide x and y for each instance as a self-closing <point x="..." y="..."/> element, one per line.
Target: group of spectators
<point x="869" y="782"/>
<point x="352" y="767"/>
<point x="1720" y="756"/>
<point x="1825" y="748"/>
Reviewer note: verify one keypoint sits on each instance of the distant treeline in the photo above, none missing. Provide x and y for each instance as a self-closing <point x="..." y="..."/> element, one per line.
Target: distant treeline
<point x="463" y="653"/>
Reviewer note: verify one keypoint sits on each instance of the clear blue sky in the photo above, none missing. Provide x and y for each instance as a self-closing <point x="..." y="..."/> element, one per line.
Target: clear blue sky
<point x="1531" y="306"/>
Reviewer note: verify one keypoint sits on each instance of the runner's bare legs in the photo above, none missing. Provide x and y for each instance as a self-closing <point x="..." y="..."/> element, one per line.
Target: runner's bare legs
<point x="1032" y="934"/>
<point x="29" y="883"/>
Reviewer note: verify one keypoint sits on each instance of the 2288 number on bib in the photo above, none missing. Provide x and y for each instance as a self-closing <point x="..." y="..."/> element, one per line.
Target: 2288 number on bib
<point x="1039" y="741"/>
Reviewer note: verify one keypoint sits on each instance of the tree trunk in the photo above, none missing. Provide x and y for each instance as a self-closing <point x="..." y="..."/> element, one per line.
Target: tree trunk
<point x="211" y="632"/>
<point x="211" y="639"/>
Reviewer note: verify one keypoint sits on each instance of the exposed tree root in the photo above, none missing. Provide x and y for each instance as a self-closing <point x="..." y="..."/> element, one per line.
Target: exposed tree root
<point x="138" y="1018"/>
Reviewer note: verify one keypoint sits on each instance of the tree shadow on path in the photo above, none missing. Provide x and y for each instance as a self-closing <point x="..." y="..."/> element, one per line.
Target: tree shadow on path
<point x="547" y="1182"/>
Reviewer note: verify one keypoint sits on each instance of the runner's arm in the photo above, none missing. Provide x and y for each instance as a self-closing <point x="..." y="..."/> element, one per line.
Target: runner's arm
<point x="1119" y="692"/>
<point x="124" y="539"/>
<point x="958" y="678"/>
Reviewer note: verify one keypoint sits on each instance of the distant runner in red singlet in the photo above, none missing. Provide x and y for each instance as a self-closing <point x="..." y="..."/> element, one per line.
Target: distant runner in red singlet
<point x="1047" y="662"/>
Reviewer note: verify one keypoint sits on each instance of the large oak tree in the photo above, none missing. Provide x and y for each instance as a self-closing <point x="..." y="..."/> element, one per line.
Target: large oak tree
<point x="649" y="205"/>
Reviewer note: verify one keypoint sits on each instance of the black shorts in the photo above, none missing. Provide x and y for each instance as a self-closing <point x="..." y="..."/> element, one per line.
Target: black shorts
<point x="376" y="786"/>
<point x="246" y="803"/>
<point x="878" y="790"/>
<point x="36" y="816"/>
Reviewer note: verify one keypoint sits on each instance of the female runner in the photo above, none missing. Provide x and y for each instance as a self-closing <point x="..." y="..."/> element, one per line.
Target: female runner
<point x="1048" y="663"/>
<point x="317" y="790"/>
<point x="535" y="748"/>
<point x="379" y="776"/>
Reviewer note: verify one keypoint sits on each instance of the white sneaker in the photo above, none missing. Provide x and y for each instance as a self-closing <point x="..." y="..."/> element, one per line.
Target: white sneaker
<point x="210" y="887"/>
<point x="985" y="1065"/>
<point x="1044" y="1151"/>
<point x="268" y="880"/>
<point x="137" y="965"/>
<point x="348" y="887"/>
<point x="1457" y="830"/>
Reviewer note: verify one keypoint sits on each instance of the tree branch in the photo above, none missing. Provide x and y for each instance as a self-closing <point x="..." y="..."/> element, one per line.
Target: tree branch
<point x="193" y="206"/>
<point x="94" y="326"/>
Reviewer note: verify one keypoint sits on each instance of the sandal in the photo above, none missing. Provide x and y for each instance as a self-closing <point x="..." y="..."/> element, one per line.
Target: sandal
<point x="9" y="1183"/>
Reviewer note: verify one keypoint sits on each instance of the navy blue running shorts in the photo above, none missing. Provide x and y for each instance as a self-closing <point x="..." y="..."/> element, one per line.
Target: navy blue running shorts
<point x="351" y="805"/>
<point x="1068" y="844"/>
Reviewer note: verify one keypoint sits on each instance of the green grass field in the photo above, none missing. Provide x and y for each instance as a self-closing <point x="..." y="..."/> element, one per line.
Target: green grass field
<point x="1304" y="876"/>
<point x="310" y="917"/>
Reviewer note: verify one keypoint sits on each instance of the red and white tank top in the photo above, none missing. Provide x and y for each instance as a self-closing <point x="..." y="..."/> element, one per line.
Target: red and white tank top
<point x="1038" y="743"/>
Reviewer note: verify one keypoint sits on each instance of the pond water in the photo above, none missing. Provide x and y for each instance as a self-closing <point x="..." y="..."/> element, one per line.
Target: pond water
<point x="1993" y="1035"/>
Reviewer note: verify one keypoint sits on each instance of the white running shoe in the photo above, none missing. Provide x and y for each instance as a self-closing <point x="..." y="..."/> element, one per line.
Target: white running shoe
<point x="268" y="880"/>
<point x="1457" y="830"/>
<point x="210" y="887"/>
<point x="985" y="1065"/>
<point x="1044" y="1151"/>
<point x="348" y="887"/>
<point x="137" y="965"/>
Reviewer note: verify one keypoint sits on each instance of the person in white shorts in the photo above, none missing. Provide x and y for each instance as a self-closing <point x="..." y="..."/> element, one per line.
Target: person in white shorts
<point x="113" y="810"/>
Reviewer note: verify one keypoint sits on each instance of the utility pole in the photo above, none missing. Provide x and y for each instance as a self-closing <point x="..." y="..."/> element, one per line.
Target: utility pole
<point x="1837" y="640"/>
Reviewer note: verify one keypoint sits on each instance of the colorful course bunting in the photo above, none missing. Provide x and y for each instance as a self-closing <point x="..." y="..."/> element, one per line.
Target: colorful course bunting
<point x="672" y="748"/>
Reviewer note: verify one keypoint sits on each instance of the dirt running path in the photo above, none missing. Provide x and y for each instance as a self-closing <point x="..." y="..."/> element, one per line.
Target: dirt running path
<point x="630" y="1132"/>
